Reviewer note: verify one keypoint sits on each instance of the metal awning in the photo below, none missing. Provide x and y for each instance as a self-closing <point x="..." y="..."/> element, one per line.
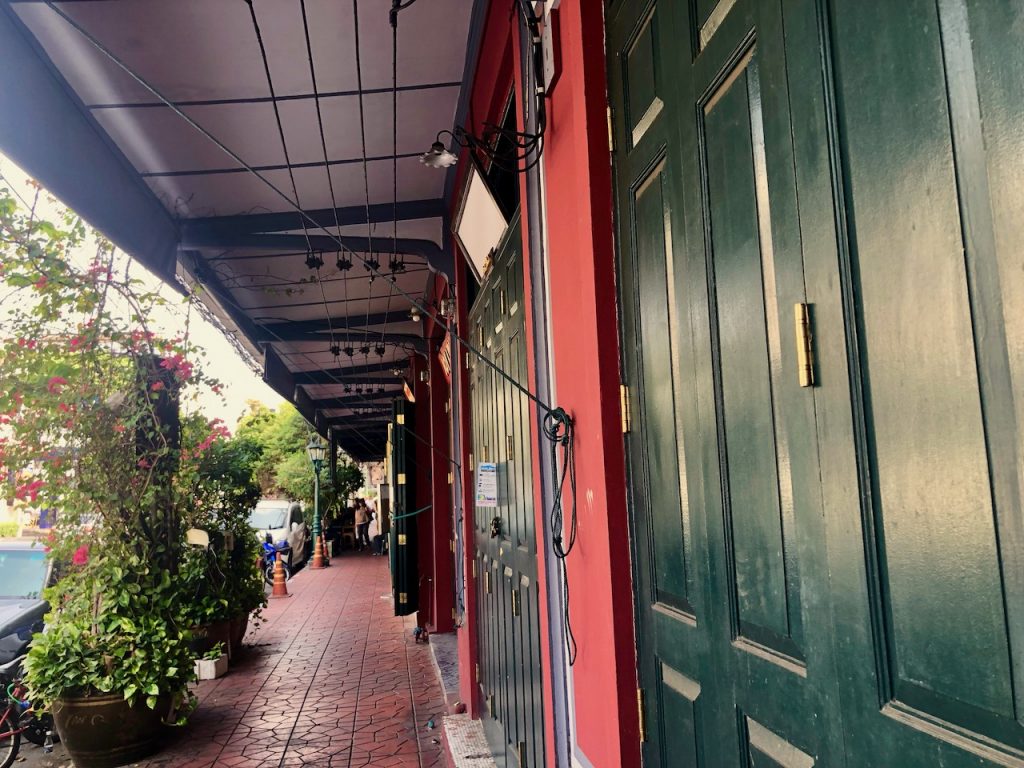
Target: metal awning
<point x="80" y="114"/>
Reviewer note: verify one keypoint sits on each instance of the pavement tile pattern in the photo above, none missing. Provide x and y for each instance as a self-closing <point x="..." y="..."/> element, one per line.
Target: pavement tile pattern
<point x="332" y="679"/>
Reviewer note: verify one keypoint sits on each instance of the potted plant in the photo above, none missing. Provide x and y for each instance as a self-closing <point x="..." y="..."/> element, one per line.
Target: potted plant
<point x="90" y="428"/>
<point x="224" y="576"/>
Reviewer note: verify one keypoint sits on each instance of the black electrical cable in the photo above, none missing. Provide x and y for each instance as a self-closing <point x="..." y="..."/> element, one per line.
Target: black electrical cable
<point x="366" y="173"/>
<point x="559" y="430"/>
<point x="323" y="147"/>
<point x="396" y="6"/>
<point x="298" y="209"/>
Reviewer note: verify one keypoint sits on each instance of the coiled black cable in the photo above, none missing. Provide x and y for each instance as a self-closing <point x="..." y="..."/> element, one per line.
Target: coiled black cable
<point x="558" y="428"/>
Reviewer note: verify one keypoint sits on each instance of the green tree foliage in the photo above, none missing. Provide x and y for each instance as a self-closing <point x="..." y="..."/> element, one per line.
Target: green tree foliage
<point x="283" y="468"/>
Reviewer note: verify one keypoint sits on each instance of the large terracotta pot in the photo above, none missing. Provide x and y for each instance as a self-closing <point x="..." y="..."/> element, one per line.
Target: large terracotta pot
<point x="238" y="626"/>
<point x="105" y="731"/>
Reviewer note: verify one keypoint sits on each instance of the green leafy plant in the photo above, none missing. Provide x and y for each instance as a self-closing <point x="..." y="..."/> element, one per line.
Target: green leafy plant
<point x="89" y="427"/>
<point x="224" y="579"/>
<point x="214" y="653"/>
<point x="9" y="529"/>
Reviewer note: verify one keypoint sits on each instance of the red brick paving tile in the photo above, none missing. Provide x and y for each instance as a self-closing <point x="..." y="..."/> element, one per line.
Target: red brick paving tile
<point x="331" y="679"/>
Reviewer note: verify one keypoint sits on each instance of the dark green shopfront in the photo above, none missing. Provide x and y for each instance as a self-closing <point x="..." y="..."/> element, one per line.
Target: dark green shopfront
<point x="771" y="261"/>
<point x="823" y="203"/>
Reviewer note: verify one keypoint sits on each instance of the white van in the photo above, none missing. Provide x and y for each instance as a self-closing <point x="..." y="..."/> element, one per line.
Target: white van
<point x="283" y="520"/>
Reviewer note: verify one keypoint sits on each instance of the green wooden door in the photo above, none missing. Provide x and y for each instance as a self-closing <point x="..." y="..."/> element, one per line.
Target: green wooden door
<point x="403" y="543"/>
<point x="927" y="126"/>
<point x="505" y="559"/>
<point x="834" y="574"/>
<point x="735" y="650"/>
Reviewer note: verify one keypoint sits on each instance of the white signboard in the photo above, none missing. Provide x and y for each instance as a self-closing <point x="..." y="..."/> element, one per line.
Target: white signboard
<point x="487" y="484"/>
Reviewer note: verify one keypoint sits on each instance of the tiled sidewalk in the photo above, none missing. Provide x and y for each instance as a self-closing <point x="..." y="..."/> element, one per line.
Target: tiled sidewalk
<point x="331" y="679"/>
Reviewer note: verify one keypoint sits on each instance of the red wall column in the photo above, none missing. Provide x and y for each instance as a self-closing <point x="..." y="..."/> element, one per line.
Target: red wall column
<point x="584" y="338"/>
<point x="424" y="492"/>
<point x="467" y="639"/>
<point x="440" y="513"/>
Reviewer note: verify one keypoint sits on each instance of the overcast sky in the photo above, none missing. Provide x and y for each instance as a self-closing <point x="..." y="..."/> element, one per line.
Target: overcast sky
<point x="221" y="361"/>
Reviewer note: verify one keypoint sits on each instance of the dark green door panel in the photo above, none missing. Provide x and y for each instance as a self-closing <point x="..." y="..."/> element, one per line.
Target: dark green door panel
<point x="722" y="456"/>
<point x="403" y="543"/>
<point x="834" y="575"/>
<point x="940" y="435"/>
<point x="759" y="497"/>
<point x="508" y="632"/>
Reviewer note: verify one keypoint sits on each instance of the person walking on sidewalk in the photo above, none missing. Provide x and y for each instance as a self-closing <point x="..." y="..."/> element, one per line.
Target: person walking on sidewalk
<point x="362" y="524"/>
<point x="375" y="534"/>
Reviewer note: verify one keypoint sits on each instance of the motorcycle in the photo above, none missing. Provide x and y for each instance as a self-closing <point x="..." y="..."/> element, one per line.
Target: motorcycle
<point x="268" y="559"/>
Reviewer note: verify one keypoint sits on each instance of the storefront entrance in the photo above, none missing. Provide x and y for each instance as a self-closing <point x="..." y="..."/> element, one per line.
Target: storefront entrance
<point x="508" y="601"/>
<point x="819" y="234"/>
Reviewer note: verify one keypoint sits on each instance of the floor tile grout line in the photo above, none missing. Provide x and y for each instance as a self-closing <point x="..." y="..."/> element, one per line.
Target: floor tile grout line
<point x="359" y="685"/>
<point x="313" y="677"/>
<point x="412" y="702"/>
<point x="270" y="673"/>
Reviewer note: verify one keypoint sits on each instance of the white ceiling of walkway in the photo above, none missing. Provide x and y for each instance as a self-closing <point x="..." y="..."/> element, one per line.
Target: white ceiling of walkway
<point x="204" y="56"/>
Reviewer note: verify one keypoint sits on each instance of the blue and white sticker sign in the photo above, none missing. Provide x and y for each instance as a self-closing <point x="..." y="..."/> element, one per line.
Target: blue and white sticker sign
<point x="487" y="484"/>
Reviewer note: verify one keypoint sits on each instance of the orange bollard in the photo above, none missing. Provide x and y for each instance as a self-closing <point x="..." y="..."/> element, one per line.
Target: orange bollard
<point x="280" y="583"/>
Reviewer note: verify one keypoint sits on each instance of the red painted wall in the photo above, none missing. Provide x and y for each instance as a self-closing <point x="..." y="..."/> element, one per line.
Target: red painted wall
<point x="584" y="329"/>
<point x="489" y="87"/>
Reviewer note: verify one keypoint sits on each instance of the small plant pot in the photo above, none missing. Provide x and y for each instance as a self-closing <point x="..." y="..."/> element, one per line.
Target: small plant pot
<point x="206" y="636"/>
<point x="211" y="669"/>
<point x="239" y="624"/>
<point x="106" y="731"/>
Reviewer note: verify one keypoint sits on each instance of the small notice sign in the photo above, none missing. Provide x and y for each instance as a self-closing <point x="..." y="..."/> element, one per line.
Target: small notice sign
<point x="487" y="484"/>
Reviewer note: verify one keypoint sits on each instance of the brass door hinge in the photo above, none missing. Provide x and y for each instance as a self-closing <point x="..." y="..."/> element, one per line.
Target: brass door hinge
<point x="642" y="710"/>
<point x="804" y="344"/>
<point x="490" y="705"/>
<point x="401" y="539"/>
<point x="400" y="418"/>
<point x="611" y="130"/>
<point x="477" y="666"/>
<point x="403" y="597"/>
<point x="510" y="445"/>
<point x="627" y="414"/>
<point x="515" y="602"/>
<point x="487" y="582"/>
<point x="450" y="478"/>
<point x="471" y="460"/>
<point x="452" y="542"/>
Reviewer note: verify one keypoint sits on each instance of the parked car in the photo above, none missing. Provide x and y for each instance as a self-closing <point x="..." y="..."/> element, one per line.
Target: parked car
<point x="283" y="520"/>
<point x="24" y="573"/>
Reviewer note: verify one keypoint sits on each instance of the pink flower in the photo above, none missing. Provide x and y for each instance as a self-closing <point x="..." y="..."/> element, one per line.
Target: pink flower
<point x="75" y="343"/>
<point x="55" y="383"/>
<point x="81" y="556"/>
<point x="119" y="428"/>
<point x="176" y="363"/>
<point x="157" y="386"/>
<point x="28" y="491"/>
<point x="41" y="283"/>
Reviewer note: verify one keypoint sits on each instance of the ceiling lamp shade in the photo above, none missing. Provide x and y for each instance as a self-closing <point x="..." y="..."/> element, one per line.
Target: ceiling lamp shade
<point x="438" y="157"/>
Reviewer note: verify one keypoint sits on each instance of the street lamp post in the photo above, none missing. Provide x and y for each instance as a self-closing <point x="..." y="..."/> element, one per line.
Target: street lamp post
<point x="316" y="452"/>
